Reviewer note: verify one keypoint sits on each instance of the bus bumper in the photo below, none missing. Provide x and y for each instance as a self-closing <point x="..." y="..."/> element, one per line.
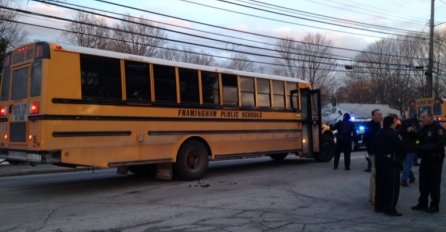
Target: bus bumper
<point x="42" y="157"/>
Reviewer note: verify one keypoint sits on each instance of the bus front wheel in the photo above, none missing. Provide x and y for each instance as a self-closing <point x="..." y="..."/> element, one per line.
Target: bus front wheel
<point x="192" y="160"/>
<point x="327" y="148"/>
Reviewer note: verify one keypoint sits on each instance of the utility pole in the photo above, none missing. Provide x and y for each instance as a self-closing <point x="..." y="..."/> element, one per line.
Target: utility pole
<point x="430" y="66"/>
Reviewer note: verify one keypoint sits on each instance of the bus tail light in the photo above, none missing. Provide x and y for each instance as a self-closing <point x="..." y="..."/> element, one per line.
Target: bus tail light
<point x="34" y="108"/>
<point x="30" y="137"/>
<point x="3" y="110"/>
<point x="5" y="136"/>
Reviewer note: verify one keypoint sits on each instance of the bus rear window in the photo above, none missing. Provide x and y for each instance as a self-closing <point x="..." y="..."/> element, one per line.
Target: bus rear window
<point x="19" y="87"/>
<point x="36" y="78"/>
<point x="101" y="78"/>
<point x="5" y="85"/>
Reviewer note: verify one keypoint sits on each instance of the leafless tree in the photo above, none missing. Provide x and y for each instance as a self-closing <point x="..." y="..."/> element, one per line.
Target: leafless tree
<point x="240" y="62"/>
<point x="191" y="56"/>
<point x="88" y="31"/>
<point x="169" y="53"/>
<point x="137" y="36"/>
<point x="311" y="60"/>
<point x="11" y="33"/>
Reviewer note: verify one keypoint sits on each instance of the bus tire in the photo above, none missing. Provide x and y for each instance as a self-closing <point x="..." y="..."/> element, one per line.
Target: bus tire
<point x="327" y="148"/>
<point x="192" y="160"/>
<point x="278" y="157"/>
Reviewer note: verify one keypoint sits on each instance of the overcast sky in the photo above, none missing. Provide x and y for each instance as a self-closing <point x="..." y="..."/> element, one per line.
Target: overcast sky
<point x="409" y="15"/>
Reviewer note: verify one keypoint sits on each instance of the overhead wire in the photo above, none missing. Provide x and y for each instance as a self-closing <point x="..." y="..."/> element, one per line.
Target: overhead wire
<point x="166" y="48"/>
<point x="239" y="31"/>
<point x="299" y="24"/>
<point x="219" y="40"/>
<point x="320" y="16"/>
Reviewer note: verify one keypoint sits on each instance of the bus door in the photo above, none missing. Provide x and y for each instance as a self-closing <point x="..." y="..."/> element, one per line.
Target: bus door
<point x="311" y="121"/>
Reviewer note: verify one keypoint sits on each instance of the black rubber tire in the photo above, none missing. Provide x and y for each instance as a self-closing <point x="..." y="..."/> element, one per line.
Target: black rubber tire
<point x="327" y="149"/>
<point x="278" y="157"/>
<point x="192" y="160"/>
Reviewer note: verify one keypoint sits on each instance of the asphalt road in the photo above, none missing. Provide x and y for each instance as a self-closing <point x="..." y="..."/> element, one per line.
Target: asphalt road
<point x="238" y="195"/>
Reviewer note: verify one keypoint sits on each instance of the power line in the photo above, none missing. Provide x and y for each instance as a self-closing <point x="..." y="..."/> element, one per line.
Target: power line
<point x="192" y="29"/>
<point x="230" y="58"/>
<point x="221" y="41"/>
<point x="320" y="16"/>
<point x="298" y="24"/>
<point x="364" y="9"/>
<point x="244" y="32"/>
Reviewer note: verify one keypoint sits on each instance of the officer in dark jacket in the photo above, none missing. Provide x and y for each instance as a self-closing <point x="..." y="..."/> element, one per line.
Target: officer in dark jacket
<point x="431" y="149"/>
<point x="345" y="135"/>
<point x="388" y="158"/>
<point x="369" y="138"/>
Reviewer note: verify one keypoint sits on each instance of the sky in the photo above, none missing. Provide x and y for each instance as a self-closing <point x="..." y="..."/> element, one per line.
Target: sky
<point x="297" y="19"/>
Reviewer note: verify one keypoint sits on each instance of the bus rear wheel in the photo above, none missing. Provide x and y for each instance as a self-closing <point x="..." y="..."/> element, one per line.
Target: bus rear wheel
<point x="278" y="157"/>
<point x="192" y="160"/>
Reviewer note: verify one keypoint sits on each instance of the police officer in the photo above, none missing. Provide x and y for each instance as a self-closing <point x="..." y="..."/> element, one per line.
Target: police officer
<point x="431" y="149"/>
<point x="345" y="135"/>
<point x="369" y="138"/>
<point x="389" y="155"/>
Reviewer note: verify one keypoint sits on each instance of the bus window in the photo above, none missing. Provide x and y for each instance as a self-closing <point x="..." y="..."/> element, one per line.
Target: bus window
<point x="137" y="80"/>
<point x="210" y="85"/>
<point x="165" y="84"/>
<point x="36" y="78"/>
<point x="263" y="93"/>
<point x="189" y="91"/>
<point x="230" y="97"/>
<point x="5" y="85"/>
<point x="247" y="91"/>
<point x="278" y="94"/>
<point x="100" y="78"/>
<point x="19" y="88"/>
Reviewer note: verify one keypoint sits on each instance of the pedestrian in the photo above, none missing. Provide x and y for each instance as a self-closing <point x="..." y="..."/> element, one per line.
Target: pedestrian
<point x="345" y="135"/>
<point x="369" y="138"/>
<point x="409" y="133"/>
<point x="389" y="155"/>
<point x="431" y="150"/>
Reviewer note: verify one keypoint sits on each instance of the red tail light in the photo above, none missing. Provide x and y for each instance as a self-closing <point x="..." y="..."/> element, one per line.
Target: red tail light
<point x="34" y="108"/>
<point x="3" y="111"/>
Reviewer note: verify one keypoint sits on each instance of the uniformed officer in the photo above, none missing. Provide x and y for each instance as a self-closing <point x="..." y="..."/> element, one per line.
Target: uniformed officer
<point x="431" y="149"/>
<point x="388" y="158"/>
<point x="345" y="135"/>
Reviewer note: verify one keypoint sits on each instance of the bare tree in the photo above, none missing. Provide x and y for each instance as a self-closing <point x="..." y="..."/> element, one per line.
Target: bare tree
<point x="11" y="33"/>
<point x="240" y="62"/>
<point x="191" y="56"/>
<point x="169" y="53"/>
<point x="89" y="31"/>
<point x="311" y="60"/>
<point x="137" y="36"/>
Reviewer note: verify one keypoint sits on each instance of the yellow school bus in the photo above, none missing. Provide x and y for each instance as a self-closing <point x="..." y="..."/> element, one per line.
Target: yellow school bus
<point x="436" y="106"/>
<point x="75" y="106"/>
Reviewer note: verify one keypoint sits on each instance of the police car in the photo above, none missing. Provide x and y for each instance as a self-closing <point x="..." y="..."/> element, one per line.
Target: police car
<point x="361" y="127"/>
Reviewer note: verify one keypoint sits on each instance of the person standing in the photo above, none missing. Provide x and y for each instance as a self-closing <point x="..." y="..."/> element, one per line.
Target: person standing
<point x="409" y="132"/>
<point x="389" y="154"/>
<point x="369" y="138"/>
<point x="431" y="150"/>
<point x="345" y="135"/>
